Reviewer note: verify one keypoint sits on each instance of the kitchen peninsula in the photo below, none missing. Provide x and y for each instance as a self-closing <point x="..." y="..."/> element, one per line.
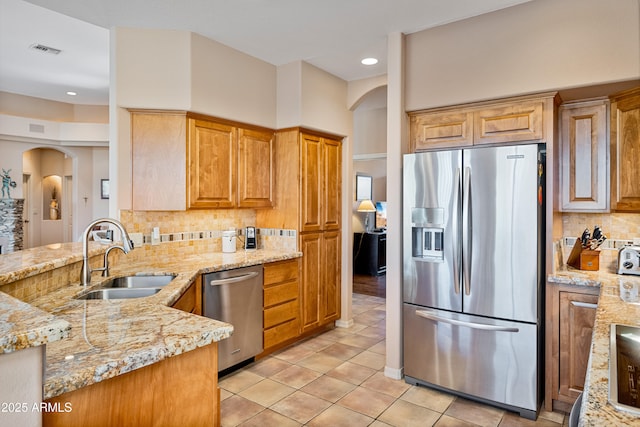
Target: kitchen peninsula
<point x="596" y="411"/>
<point x="142" y="346"/>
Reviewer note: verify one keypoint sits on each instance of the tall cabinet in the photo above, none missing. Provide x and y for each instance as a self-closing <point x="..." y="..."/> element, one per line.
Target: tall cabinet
<point x="307" y="195"/>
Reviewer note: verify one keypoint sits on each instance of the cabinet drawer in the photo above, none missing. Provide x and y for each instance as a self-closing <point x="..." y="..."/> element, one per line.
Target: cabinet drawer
<point x="281" y="313"/>
<point x="281" y="333"/>
<point x="280" y="272"/>
<point x="278" y="294"/>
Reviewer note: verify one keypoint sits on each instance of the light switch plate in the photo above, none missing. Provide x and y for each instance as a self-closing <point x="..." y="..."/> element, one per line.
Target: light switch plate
<point x="137" y="239"/>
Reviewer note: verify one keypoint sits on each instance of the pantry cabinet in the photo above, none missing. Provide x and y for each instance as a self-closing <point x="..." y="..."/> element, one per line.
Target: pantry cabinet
<point x="625" y="151"/>
<point x="520" y="119"/>
<point x="571" y="313"/>
<point x="308" y="197"/>
<point x="183" y="160"/>
<point x="584" y="156"/>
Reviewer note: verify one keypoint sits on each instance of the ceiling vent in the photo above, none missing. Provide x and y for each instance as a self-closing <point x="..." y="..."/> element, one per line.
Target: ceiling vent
<point x="47" y="49"/>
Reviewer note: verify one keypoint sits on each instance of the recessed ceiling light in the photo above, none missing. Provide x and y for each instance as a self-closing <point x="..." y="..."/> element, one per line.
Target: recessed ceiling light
<point x="70" y="93"/>
<point x="369" y="61"/>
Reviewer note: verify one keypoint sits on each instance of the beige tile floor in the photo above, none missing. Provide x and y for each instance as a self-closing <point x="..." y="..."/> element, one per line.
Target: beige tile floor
<point x="336" y="379"/>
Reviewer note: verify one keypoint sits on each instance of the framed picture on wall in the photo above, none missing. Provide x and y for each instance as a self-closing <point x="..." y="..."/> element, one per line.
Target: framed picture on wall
<point x="104" y="188"/>
<point x="364" y="187"/>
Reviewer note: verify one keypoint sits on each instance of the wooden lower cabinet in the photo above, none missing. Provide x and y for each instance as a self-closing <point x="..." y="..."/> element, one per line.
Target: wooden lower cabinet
<point x="191" y="299"/>
<point x="571" y="313"/>
<point x="281" y="303"/>
<point x="330" y="282"/>
<point x="311" y="275"/>
<point x="178" y="391"/>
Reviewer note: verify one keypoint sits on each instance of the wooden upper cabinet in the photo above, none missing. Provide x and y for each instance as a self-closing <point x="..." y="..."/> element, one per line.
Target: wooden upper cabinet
<point x="212" y="165"/>
<point x="515" y="120"/>
<point x="510" y="122"/>
<point x="442" y="130"/>
<point x="584" y="156"/>
<point x="311" y="180"/>
<point x="158" y="160"/>
<point x="255" y="168"/>
<point x="625" y="151"/>
<point x="332" y="184"/>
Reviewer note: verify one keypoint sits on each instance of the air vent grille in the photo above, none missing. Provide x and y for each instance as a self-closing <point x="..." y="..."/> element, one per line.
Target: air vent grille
<point x="46" y="49"/>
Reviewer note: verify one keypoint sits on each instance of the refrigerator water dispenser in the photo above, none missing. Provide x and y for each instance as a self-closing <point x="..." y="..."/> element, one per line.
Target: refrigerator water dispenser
<point x="427" y="238"/>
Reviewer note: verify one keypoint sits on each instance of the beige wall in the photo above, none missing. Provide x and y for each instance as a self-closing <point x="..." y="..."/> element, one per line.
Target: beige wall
<point x="229" y="84"/>
<point x="37" y="108"/>
<point x="536" y="46"/>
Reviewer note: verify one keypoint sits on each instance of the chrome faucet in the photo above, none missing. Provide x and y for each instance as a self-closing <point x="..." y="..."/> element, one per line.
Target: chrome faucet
<point x="127" y="245"/>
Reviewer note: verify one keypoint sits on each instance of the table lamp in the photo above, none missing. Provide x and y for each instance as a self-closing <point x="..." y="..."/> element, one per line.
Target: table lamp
<point x="366" y="206"/>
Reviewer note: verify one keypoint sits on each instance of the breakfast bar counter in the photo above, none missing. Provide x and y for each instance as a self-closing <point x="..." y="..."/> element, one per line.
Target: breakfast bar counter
<point x="612" y="309"/>
<point x="101" y="339"/>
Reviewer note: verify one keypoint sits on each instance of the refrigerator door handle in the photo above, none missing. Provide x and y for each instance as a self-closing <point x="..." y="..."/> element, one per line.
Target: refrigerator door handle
<point x="472" y="325"/>
<point x="466" y="231"/>
<point x="456" y="230"/>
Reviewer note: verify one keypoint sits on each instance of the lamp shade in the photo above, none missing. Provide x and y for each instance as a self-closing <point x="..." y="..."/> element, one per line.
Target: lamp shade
<point x="366" y="206"/>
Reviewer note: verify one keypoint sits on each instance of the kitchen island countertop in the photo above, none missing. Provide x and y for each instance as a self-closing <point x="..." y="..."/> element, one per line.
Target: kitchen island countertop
<point x="596" y="411"/>
<point x="93" y="340"/>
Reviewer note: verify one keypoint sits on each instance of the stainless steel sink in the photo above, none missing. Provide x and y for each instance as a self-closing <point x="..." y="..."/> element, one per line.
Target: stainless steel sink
<point x="120" y="293"/>
<point x="129" y="287"/>
<point x="624" y="367"/>
<point x="142" y="281"/>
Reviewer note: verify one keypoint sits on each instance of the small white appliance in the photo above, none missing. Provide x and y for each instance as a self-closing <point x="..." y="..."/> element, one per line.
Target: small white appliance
<point x="629" y="260"/>
<point x="229" y="241"/>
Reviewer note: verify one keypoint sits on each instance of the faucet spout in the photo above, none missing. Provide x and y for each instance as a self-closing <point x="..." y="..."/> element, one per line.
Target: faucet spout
<point x="127" y="246"/>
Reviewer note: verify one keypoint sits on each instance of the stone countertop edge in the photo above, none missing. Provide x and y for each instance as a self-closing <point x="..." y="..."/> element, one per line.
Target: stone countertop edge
<point x="23" y="326"/>
<point x="149" y="329"/>
<point x="596" y="411"/>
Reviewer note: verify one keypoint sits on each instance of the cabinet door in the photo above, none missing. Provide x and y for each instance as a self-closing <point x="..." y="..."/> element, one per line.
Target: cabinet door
<point x="330" y="285"/>
<point x="512" y="122"/>
<point x="255" y="168"/>
<point x="159" y="163"/>
<point x="441" y="130"/>
<point x="625" y="151"/>
<point x="332" y="187"/>
<point x="585" y="166"/>
<point x="311" y="191"/>
<point x="311" y="246"/>
<point x="577" y="316"/>
<point x="212" y="165"/>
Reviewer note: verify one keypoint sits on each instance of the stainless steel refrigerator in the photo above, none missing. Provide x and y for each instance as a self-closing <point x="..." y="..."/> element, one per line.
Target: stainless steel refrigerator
<point x="473" y="251"/>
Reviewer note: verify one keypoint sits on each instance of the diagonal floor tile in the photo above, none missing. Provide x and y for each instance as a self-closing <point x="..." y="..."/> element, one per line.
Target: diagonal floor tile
<point x="266" y="392"/>
<point x="337" y="416"/>
<point x="296" y="376"/>
<point x="369" y="359"/>
<point x="269" y="418"/>
<point x="428" y="398"/>
<point x="320" y="362"/>
<point x="473" y="412"/>
<point x="268" y="366"/>
<point x="328" y="388"/>
<point x="341" y="351"/>
<point x="367" y="402"/>
<point x="407" y="414"/>
<point x="379" y="382"/>
<point x="239" y="380"/>
<point x="351" y="373"/>
<point x="236" y="410"/>
<point x="300" y="406"/>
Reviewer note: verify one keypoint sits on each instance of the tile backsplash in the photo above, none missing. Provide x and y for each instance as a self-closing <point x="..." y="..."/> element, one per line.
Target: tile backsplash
<point x="204" y="227"/>
<point x="620" y="229"/>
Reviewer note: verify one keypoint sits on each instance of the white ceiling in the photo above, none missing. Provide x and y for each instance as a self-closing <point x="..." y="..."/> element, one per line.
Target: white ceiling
<point x="333" y="35"/>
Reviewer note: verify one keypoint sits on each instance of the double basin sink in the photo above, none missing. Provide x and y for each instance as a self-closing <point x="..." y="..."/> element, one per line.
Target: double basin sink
<point x="126" y="287"/>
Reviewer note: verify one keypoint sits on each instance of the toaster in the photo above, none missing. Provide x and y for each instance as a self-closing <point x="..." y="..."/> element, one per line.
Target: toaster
<point x="629" y="260"/>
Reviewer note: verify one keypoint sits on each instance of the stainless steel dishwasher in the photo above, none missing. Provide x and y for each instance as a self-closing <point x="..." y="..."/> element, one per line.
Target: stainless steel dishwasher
<point x="235" y="296"/>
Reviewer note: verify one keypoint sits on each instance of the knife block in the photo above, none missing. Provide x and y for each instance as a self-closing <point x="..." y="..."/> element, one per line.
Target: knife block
<point x="583" y="259"/>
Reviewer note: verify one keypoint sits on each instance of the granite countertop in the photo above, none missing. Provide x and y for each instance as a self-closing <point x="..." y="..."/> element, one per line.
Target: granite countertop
<point x="100" y="339"/>
<point x="596" y="411"/>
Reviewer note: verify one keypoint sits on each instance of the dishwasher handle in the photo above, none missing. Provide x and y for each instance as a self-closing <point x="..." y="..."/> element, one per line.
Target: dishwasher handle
<point x="233" y="279"/>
